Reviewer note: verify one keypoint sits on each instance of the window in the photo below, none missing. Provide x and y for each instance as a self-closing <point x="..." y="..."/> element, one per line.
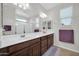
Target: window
<point x="66" y="16"/>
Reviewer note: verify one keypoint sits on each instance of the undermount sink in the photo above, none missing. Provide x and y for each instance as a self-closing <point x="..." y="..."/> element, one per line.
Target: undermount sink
<point x="22" y="36"/>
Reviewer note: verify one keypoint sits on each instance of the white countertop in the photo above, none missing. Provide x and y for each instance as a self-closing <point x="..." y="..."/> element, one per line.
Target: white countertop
<point x="9" y="40"/>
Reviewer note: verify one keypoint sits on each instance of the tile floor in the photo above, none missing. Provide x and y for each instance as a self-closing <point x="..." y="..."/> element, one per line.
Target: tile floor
<point x="56" y="51"/>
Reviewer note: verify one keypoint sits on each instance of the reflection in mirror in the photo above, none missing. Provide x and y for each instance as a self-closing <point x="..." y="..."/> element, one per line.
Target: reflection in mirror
<point x="44" y="24"/>
<point x="49" y="24"/>
<point x="16" y="20"/>
<point x="37" y="25"/>
<point x="37" y="22"/>
<point x="20" y="26"/>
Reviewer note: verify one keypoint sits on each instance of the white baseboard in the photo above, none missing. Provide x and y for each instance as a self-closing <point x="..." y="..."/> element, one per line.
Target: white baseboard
<point x="67" y="48"/>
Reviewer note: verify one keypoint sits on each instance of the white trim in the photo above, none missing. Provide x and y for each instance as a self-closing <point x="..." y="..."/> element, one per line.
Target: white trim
<point x="68" y="48"/>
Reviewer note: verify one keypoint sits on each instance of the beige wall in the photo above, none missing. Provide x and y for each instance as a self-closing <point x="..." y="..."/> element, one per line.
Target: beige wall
<point x="75" y="26"/>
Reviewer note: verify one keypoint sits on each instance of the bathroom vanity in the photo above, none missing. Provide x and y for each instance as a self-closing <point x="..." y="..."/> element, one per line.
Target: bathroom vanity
<point x="34" y="45"/>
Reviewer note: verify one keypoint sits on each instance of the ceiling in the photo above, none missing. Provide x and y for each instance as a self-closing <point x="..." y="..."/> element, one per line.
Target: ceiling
<point x="35" y="9"/>
<point x="49" y="6"/>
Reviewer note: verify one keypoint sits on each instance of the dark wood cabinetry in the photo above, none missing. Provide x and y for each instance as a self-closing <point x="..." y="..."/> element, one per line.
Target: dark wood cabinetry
<point x="20" y="53"/>
<point x="34" y="47"/>
<point x="50" y="40"/>
<point x="23" y="52"/>
<point x="26" y="49"/>
<point x="43" y="44"/>
<point x="4" y="52"/>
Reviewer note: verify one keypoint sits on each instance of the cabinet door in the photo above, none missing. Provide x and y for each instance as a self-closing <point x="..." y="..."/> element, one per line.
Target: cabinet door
<point x="50" y="40"/>
<point x="29" y="51"/>
<point x="44" y="41"/>
<point x="43" y="50"/>
<point x="24" y="52"/>
<point x="43" y="44"/>
<point x="4" y="52"/>
<point x="36" y="49"/>
<point x="20" y="53"/>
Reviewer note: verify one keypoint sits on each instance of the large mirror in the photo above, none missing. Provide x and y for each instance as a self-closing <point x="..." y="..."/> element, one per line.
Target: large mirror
<point x="17" y="19"/>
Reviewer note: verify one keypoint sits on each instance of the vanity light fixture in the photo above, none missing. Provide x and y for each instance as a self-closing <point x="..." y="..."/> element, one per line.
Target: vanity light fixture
<point x="22" y="5"/>
<point x="25" y="6"/>
<point x="43" y="15"/>
<point x="21" y="20"/>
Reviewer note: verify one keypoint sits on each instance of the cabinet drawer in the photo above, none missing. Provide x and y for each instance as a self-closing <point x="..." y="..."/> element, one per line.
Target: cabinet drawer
<point x="44" y="38"/>
<point x="20" y="46"/>
<point x="24" y="52"/>
<point x="28" y="51"/>
<point x="20" y="53"/>
<point x="17" y="47"/>
<point x="4" y="52"/>
<point x="34" y="41"/>
<point x="51" y="35"/>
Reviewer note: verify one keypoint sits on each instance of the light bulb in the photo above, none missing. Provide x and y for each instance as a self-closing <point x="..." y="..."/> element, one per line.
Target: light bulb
<point x="27" y="5"/>
<point x="20" y="5"/>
